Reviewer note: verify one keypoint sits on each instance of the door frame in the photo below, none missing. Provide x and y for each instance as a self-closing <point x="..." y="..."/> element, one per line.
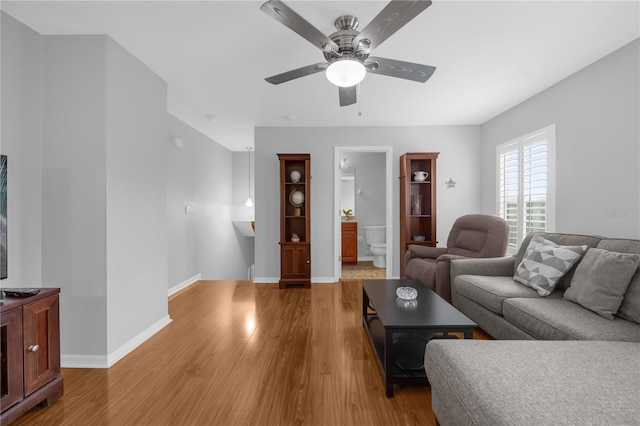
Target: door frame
<point x="337" y="221"/>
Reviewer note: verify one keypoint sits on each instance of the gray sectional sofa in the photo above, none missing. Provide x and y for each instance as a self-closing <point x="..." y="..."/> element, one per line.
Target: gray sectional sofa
<point x="484" y="290"/>
<point x="557" y="362"/>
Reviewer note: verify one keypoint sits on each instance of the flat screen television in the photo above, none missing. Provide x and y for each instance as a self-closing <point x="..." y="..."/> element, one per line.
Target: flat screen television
<point x="3" y="217"/>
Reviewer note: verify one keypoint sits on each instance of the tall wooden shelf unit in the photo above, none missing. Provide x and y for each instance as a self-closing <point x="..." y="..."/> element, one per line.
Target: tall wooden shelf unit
<point x="415" y="223"/>
<point x="295" y="254"/>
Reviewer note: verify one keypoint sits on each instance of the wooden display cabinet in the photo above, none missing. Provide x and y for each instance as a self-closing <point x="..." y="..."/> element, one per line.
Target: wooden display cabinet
<point x="295" y="219"/>
<point x="30" y="353"/>
<point x="417" y="201"/>
<point x="349" y="242"/>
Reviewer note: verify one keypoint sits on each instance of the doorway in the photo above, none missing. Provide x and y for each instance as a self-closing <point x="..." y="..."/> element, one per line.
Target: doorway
<point x="362" y="164"/>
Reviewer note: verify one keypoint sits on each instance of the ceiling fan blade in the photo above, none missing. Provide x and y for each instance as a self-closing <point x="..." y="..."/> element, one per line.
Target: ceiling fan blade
<point x="286" y="16"/>
<point x="297" y="73"/>
<point x="393" y="17"/>
<point x="348" y="95"/>
<point x="399" y="69"/>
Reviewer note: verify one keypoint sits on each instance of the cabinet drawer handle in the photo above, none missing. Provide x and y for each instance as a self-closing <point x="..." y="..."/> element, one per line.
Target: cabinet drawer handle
<point x="33" y="348"/>
<point x="308" y="261"/>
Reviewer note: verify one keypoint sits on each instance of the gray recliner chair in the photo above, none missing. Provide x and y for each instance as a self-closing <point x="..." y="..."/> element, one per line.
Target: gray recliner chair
<point x="472" y="235"/>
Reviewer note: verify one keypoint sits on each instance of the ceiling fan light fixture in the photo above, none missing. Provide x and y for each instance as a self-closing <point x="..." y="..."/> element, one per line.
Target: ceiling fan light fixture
<point x="346" y="72"/>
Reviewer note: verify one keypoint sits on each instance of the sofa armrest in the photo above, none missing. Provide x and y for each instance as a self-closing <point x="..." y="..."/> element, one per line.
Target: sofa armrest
<point x="450" y="257"/>
<point x="494" y="266"/>
<point x="425" y="252"/>
<point x="442" y="280"/>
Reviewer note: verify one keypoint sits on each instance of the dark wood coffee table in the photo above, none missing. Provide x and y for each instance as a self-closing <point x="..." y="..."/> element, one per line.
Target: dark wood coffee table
<point x="395" y="325"/>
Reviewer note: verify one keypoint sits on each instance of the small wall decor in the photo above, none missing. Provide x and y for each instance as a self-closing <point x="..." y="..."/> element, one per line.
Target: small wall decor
<point x="450" y="183"/>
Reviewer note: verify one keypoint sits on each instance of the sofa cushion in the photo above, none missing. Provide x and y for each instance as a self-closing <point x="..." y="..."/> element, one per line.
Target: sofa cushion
<point x="601" y="280"/>
<point x="630" y="307"/>
<point x="533" y="383"/>
<point x="491" y="292"/>
<point x="561" y="319"/>
<point x="490" y="322"/>
<point x="545" y="262"/>
<point x="563" y="240"/>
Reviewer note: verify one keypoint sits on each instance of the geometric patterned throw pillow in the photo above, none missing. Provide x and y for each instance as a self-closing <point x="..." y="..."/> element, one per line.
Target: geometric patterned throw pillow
<point x="545" y="262"/>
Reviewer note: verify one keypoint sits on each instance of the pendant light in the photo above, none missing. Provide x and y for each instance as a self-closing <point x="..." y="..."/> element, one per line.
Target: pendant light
<point x="249" y="202"/>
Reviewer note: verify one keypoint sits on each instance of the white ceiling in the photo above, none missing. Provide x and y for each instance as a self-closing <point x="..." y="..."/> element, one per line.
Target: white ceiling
<point x="214" y="55"/>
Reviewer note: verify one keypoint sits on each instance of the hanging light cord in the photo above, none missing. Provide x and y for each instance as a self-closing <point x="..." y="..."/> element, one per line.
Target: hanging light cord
<point x="249" y="202"/>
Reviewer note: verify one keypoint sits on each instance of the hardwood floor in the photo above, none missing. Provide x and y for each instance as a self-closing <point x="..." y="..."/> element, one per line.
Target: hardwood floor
<point x="243" y="354"/>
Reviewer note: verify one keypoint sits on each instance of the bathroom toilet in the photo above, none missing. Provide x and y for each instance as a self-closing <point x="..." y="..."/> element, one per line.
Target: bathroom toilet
<point x="376" y="239"/>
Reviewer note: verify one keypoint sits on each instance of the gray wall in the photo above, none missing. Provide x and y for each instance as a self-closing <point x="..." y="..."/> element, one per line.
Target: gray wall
<point x="84" y="126"/>
<point x="97" y="190"/>
<point x="596" y="114"/>
<point x="203" y="174"/>
<point x="460" y="153"/>
<point x="21" y="141"/>
<point x="74" y="239"/>
<point x="182" y="229"/>
<point x="104" y="193"/>
<point x="136" y="196"/>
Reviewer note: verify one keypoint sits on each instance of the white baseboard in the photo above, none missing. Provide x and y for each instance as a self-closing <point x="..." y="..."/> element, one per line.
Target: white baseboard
<point x="260" y="280"/>
<point x="365" y="258"/>
<point x="100" y="361"/>
<point x="185" y="284"/>
<point x="266" y="280"/>
<point x="84" y="361"/>
<point x="319" y="280"/>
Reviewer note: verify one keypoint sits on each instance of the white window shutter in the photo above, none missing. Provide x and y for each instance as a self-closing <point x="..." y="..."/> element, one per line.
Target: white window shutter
<point x="526" y="184"/>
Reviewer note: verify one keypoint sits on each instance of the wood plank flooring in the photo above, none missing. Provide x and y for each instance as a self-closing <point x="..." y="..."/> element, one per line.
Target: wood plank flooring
<point x="243" y="354"/>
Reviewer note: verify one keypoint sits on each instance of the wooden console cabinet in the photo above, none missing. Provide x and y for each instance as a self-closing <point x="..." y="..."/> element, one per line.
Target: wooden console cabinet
<point x="30" y="353"/>
<point x="295" y="219"/>
<point x="349" y="242"/>
<point x="417" y="201"/>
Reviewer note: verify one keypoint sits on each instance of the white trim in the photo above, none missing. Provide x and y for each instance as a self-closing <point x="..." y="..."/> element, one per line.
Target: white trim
<point x="551" y="178"/>
<point x="100" y="361"/>
<point x="365" y="258"/>
<point x="83" y="361"/>
<point x="276" y="280"/>
<point x="266" y="280"/>
<point x="125" y="349"/>
<point x="251" y="272"/>
<point x="323" y="280"/>
<point x="184" y="284"/>
<point x="337" y="220"/>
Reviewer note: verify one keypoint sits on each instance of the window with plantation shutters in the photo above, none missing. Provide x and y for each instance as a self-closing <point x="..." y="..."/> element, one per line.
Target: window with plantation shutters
<point x="526" y="184"/>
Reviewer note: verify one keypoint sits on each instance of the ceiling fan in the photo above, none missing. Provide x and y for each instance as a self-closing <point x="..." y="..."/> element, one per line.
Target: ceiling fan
<point x="347" y="51"/>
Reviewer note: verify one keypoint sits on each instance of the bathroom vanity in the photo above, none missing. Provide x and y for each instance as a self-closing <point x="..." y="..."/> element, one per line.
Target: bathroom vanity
<point x="349" y="241"/>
